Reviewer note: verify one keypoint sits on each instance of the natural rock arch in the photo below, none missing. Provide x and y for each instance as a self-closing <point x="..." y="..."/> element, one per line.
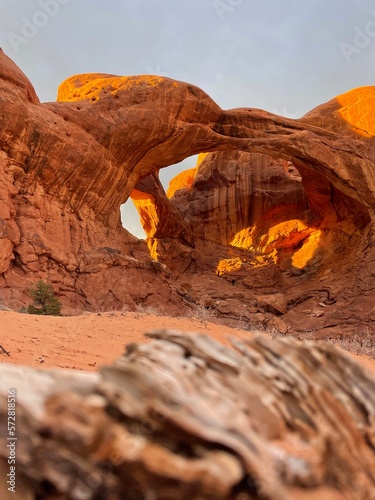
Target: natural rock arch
<point x="113" y="131"/>
<point x="164" y="121"/>
<point x="68" y="166"/>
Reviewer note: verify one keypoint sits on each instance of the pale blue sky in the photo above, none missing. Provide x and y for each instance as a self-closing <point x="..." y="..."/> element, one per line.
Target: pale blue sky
<point x="286" y="56"/>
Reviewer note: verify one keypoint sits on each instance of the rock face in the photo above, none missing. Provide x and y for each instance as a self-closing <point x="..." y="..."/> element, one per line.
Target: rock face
<point x="276" y="419"/>
<point x="67" y="167"/>
<point x="251" y="215"/>
<point x="234" y="195"/>
<point x="91" y="265"/>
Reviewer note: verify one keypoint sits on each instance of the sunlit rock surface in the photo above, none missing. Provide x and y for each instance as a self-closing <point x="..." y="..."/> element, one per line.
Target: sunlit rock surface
<point x="277" y="206"/>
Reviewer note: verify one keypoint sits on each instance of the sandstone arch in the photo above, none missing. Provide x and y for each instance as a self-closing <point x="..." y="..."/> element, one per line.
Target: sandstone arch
<point x="188" y="122"/>
<point x="135" y="125"/>
<point x="68" y="166"/>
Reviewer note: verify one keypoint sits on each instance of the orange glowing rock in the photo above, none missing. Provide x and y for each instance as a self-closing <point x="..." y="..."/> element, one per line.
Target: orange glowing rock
<point x="149" y="218"/>
<point x="358" y="110"/>
<point x="302" y="256"/>
<point x="288" y="234"/>
<point x="93" y="86"/>
<point x="292" y="235"/>
<point x="244" y="238"/>
<point x="146" y="209"/>
<point x="186" y="178"/>
<point x="201" y="157"/>
<point x="229" y="265"/>
<point x="183" y="180"/>
<point x="137" y="195"/>
<point x="153" y="248"/>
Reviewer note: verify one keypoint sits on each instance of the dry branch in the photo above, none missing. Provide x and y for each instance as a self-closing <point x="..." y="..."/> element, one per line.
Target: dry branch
<point x="4" y="351"/>
<point x="184" y="417"/>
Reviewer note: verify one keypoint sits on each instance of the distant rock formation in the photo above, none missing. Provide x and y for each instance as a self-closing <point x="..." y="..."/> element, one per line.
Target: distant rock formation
<point x="234" y="195"/>
<point x="67" y="167"/>
<point x="184" y="417"/>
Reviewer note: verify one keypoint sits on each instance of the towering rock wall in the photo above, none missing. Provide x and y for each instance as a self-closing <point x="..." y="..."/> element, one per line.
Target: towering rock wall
<point x="67" y="167"/>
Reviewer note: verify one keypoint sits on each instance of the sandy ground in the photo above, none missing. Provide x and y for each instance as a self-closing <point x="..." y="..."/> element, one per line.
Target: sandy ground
<point x="89" y="341"/>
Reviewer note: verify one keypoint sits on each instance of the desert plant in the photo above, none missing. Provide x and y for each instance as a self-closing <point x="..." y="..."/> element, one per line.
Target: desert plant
<point x="241" y="324"/>
<point x="362" y="345"/>
<point x="45" y="301"/>
<point x="149" y="310"/>
<point x="201" y="313"/>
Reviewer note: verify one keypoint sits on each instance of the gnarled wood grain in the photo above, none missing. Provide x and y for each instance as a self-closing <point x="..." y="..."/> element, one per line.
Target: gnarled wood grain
<point x="184" y="417"/>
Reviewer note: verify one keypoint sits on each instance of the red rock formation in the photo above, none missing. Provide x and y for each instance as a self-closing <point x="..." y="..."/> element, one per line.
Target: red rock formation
<point x="68" y="166"/>
<point x="160" y="219"/>
<point x="235" y="193"/>
<point x="92" y="265"/>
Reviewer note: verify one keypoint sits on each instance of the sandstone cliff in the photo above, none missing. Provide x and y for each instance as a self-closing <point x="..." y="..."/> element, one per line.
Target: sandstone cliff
<point x="295" y="194"/>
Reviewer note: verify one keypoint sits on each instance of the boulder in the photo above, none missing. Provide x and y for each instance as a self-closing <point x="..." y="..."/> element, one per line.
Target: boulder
<point x="278" y="325"/>
<point x="276" y="303"/>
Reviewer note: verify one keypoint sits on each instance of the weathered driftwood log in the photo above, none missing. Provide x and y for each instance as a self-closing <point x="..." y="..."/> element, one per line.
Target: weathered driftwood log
<point x="184" y="417"/>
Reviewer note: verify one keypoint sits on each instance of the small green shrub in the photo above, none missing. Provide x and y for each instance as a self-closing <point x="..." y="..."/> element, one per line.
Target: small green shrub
<point x="45" y="302"/>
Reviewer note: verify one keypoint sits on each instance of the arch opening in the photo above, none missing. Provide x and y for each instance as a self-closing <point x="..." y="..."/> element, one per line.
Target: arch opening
<point x="131" y="219"/>
<point x="166" y="175"/>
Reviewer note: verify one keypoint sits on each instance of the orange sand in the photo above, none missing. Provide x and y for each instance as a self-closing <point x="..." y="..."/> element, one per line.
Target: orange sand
<point x="92" y="340"/>
<point x="89" y="341"/>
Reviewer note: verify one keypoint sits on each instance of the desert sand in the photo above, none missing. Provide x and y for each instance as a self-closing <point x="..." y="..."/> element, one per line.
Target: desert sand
<point x="89" y="341"/>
